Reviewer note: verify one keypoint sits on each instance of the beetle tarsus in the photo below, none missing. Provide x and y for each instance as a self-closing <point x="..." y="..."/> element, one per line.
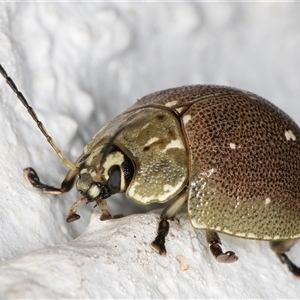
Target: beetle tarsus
<point x="118" y="216"/>
<point x="280" y="247"/>
<point x="213" y="238"/>
<point x="169" y="213"/>
<point x="72" y="218"/>
<point x="220" y="256"/>
<point x="105" y="214"/>
<point x="292" y="267"/>
<point x="159" y="243"/>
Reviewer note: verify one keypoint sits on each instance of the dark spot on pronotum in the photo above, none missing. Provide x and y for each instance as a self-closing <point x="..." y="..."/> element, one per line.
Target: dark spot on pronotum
<point x="172" y="134"/>
<point x="160" y="117"/>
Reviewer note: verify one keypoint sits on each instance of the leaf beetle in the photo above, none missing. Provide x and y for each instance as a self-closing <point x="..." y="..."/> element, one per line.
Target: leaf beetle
<point x="230" y="155"/>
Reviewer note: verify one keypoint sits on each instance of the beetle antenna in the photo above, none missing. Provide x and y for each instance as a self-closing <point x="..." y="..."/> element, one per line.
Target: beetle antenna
<point x="40" y="125"/>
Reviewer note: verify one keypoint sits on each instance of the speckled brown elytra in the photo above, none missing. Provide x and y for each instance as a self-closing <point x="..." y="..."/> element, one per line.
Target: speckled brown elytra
<point x="232" y="156"/>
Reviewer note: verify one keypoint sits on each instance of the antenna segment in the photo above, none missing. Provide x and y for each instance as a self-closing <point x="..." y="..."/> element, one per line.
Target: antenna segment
<point x="70" y="165"/>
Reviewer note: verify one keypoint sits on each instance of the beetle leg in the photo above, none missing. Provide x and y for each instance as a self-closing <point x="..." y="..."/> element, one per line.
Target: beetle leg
<point x="33" y="179"/>
<point x="213" y="238"/>
<point x="105" y="214"/>
<point x="163" y="228"/>
<point x="72" y="216"/>
<point x="280" y="247"/>
<point x="171" y="210"/>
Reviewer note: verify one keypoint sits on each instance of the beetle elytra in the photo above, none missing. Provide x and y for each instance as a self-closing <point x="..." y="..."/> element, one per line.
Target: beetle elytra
<point x="230" y="155"/>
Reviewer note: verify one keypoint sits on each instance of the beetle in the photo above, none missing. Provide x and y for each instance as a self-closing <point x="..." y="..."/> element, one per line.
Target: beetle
<point x="231" y="155"/>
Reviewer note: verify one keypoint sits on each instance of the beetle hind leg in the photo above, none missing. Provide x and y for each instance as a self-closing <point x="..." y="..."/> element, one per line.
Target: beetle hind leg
<point x="163" y="228"/>
<point x="280" y="247"/>
<point x="214" y="240"/>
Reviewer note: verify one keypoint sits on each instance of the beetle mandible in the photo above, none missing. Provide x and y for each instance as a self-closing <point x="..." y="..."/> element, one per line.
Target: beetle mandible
<point x="231" y="155"/>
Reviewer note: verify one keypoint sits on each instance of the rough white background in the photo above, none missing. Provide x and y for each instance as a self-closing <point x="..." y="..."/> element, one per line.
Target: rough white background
<point x="79" y="65"/>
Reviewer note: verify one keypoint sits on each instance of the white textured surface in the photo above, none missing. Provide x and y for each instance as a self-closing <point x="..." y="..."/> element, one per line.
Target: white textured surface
<point x="81" y="64"/>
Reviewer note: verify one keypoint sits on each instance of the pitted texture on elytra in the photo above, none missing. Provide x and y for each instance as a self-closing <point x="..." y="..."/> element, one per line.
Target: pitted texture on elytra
<point x="229" y="184"/>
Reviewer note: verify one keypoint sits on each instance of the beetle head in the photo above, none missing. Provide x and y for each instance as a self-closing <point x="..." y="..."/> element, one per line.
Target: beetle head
<point x="99" y="179"/>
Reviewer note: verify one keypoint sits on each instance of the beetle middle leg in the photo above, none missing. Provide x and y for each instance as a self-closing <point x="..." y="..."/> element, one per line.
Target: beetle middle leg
<point x="280" y="247"/>
<point x="214" y="240"/>
<point x="163" y="228"/>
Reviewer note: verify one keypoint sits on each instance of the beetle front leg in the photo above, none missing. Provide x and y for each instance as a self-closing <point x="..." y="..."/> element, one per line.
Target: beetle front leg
<point x="214" y="240"/>
<point x="72" y="216"/>
<point x="280" y="247"/>
<point x="105" y="214"/>
<point x="163" y="228"/>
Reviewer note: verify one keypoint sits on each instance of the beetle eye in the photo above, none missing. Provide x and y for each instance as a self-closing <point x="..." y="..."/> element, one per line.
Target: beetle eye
<point x="114" y="180"/>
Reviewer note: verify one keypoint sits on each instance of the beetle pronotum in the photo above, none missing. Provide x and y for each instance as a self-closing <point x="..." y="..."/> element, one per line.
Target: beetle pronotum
<point x="231" y="155"/>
